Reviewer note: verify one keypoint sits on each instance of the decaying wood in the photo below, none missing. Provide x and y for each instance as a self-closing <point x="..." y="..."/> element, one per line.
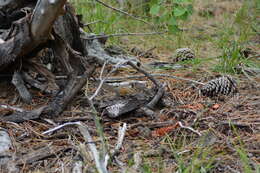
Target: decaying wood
<point x="96" y="50"/>
<point x="20" y="86"/>
<point x="30" y="32"/>
<point x="34" y="32"/>
<point x="42" y="28"/>
<point x="44" y="15"/>
<point x="24" y="115"/>
<point x="34" y="83"/>
<point x="64" y="97"/>
<point x="40" y="154"/>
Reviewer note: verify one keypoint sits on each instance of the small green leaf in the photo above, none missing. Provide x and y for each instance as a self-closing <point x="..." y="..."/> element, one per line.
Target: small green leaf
<point x="173" y="21"/>
<point x="173" y="29"/>
<point x="155" y="9"/>
<point x="184" y="16"/>
<point x="179" y="11"/>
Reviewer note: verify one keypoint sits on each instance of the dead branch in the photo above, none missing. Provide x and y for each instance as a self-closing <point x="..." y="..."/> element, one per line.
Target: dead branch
<point x="96" y="50"/>
<point x="189" y="128"/>
<point x="64" y="97"/>
<point x="101" y="82"/>
<point x="31" y="31"/>
<point x="154" y="75"/>
<point x="84" y="131"/>
<point x="111" y="79"/>
<point x="44" y="15"/>
<point x="20" y="86"/>
<point x="34" y="83"/>
<point x="40" y="154"/>
<point x="122" y="34"/>
<point x="157" y="97"/>
<point x="19" y="117"/>
<point x="120" y="139"/>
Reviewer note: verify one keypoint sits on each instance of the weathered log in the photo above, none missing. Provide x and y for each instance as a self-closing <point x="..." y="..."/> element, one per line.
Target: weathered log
<point x="29" y="32"/>
<point x="97" y="51"/>
<point x="44" y="15"/>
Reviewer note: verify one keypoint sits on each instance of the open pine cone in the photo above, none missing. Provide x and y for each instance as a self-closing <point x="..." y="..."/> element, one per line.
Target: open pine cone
<point x="183" y="54"/>
<point x="220" y="86"/>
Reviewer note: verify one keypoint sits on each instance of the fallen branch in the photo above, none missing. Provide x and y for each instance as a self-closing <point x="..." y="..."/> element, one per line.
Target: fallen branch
<point x="189" y="128"/>
<point x="98" y="161"/>
<point x="154" y="75"/>
<point x="44" y="15"/>
<point x="157" y="97"/>
<point x="101" y="82"/>
<point x="91" y="144"/>
<point x="111" y="79"/>
<point x="20" y="86"/>
<point x="96" y="50"/>
<point x="90" y="23"/>
<point x="120" y="139"/>
<point x="24" y="115"/>
<point x="122" y="34"/>
<point x="32" y="31"/>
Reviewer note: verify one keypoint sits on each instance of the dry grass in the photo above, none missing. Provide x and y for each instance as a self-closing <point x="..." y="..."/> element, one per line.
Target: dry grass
<point x="230" y="130"/>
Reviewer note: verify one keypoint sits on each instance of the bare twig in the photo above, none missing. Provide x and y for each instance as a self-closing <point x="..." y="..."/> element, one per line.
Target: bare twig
<point x="157" y="97"/>
<point x="94" y="22"/>
<point x="120" y="139"/>
<point x="137" y="161"/>
<point x="101" y="82"/>
<point x="121" y="35"/>
<point x="154" y="75"/>
<point x="123" y="12"/>
<point x="99" y="163"/>
<point x="182" y="152"/>
<point x="121" y="135"/>
<point x="189" y="128"/>
<point x="59" y="127"/>
<point x="91" y="144"/>
<point x="110" y="79"/>
<point x="4" y="106"/>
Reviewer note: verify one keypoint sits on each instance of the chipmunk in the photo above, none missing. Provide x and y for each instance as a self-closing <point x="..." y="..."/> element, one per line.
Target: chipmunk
<point x="125" y="88"/>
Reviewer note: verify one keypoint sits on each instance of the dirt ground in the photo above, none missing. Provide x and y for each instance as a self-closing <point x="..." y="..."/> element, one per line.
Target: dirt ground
<point x="218" y="135"/>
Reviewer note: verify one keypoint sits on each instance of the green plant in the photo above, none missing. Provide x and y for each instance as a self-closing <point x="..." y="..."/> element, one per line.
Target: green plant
<point x="243" y="155"/>
<point x="105" y="20"/>
<point x="197" y="160"/>
<point x="245" y="160"/>
<point x="168" y="13"/>
<point x="234" y="35"/>
<point x="231" y="58"/>
<point x="202" y="160"/>
<point x="146" y="168"/>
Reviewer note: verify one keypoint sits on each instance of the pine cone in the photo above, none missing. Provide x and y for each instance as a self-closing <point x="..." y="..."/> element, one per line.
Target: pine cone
<point x="183" y="54"/>
<point x="220" y="86"/>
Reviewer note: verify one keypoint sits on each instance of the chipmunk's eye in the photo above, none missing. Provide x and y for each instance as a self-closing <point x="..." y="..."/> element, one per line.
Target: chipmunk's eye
<point x="138" y="64"/>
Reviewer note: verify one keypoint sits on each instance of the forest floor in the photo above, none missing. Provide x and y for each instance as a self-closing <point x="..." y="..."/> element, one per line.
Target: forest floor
<point x="220" y="135"/>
